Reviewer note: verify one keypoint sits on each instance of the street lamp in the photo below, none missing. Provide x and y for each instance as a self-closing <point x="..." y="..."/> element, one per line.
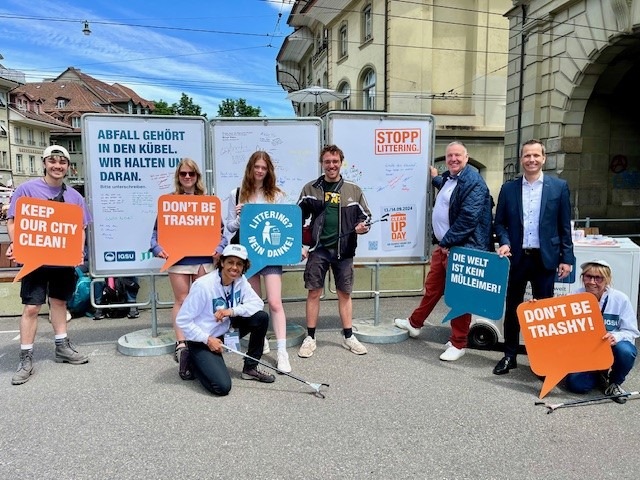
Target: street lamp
<point x="86" y="30"/>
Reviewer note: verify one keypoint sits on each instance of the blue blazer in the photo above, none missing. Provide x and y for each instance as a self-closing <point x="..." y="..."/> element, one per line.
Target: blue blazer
<point x="556" y="245"/>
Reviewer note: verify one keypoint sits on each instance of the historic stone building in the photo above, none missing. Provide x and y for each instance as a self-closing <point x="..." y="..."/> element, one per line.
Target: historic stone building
<point x="447" y="58"/>
<point x="573" y="68"/>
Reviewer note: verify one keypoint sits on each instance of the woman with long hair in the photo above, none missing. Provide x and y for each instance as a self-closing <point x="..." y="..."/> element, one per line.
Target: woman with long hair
<point x="259" y="186"/>
<point x="187" y="181"/>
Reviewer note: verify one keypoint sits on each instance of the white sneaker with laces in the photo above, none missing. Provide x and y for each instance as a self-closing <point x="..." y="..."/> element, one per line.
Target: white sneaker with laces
<point x="404" y="324"/>
<point x="266" y="348"/>
<point x="283" y="361"/>
<point x="452" y="354"/>
<point x="353" y="344"/>
<point x="307" y="348"/>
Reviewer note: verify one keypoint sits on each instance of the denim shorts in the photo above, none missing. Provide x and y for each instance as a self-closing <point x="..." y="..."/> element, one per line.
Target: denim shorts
<point x="57" y="282"/>
<point x="318" y="264"/>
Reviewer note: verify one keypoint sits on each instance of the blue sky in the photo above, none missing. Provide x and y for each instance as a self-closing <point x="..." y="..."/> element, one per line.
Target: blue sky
<point x="210" y="50"/>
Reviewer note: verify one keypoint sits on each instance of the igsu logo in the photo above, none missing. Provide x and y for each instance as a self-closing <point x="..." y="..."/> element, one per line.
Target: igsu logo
<point x="109" y="256"/>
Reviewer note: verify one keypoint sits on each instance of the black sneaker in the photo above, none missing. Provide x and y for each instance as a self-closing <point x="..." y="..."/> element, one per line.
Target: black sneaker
<point x="133" y="313"/>
<point x="616" y="393"/>
<point x="184" y="365"/>
<point x="98" y="315"/>
<point x="253" y="373"/>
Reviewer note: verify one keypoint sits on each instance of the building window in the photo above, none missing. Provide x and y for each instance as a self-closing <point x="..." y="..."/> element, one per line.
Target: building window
<point x="32" y="163"/>
<point x="369" y="90"/>
<point x="343" y="41"/>
<point x="3" y="99"/>
<point x="17" y="132"/>
<point x="3" y="130"/>
<point x="61" y="103"/>
<point x="367" y="23"/>
<point x="346" y="102"/>
<point x="130" y="108"/>
<point x="19" y="163"/>
<point x="73" y="169"/>
<point x="43" y="139"/>
<point x="75" y="122"/>
<point x="72" y="146"/>
<point x="30" y="137"/>
<point x="5" y="163"/>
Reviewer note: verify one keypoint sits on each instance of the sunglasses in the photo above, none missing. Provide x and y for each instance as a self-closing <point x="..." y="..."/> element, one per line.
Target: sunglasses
<point x="596" y="278"/>
<point x="188" y="174"/>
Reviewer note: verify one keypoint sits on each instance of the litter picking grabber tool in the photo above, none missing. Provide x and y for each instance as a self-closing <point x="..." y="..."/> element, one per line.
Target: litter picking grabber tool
<point x="314" y="386"/>
<point x="552" y="407"/>
<point x="383" y="218"/>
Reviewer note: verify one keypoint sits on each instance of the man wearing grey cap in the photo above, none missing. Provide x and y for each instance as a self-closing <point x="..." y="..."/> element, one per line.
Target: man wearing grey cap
<point x="58" y="283"/>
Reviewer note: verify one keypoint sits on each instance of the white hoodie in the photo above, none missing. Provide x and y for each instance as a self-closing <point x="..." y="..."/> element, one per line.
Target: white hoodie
<point x="196" y="316"/>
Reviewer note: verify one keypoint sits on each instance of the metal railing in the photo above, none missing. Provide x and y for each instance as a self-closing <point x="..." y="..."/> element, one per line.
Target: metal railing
<point x="589" y="222"/>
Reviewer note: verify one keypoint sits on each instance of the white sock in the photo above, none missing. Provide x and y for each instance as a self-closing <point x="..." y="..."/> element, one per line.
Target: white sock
<point x="282" y="344"/>
<point x="28" y="346"/>
<point x="60" y="336"/>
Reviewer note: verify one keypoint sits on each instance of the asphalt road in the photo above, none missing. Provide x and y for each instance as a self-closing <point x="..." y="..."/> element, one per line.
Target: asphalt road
<point x="397" y="412"/>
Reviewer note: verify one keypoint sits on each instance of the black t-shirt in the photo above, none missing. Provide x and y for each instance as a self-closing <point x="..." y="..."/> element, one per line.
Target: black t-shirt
<point x="329" y="235"/>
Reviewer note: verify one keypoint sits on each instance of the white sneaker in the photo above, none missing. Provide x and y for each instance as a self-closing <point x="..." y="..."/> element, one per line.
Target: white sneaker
<point x="283" y="361"/>
<point x="266" y="348"/>
<point x="447" y="345"/>
<point x="307" y="348"/>
<point x="452" y="354"/>
<point x="404" y="324"/>
<point x="353" y="344"/>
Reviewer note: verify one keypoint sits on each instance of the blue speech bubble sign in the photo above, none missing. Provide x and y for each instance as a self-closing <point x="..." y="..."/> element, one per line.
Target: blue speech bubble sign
<point x="272" y="234"/>
<point x="476" y="283"/>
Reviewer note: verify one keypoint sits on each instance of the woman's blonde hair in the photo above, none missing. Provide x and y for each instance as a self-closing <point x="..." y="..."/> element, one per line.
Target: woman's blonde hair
<point x="604" y="272"/>
<point x="199" y="185"/>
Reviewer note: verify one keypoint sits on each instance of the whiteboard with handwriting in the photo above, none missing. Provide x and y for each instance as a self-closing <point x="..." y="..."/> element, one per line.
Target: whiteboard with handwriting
<point x="388" y="156"/>
<point x="292" y="144"/>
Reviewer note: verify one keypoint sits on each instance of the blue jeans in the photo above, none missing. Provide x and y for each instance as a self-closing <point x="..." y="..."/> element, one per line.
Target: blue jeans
<point x="624" y="356"/>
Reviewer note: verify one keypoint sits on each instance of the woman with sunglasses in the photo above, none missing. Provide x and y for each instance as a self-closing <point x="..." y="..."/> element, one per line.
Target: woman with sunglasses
<point x="622" y="330"/>
<point x="187" y="181"/>
<point x="259" y="186"/>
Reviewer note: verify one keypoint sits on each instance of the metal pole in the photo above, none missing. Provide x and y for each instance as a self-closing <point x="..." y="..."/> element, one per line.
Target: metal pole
<point x="376" y="295"/>
<point x="154" y="309"/>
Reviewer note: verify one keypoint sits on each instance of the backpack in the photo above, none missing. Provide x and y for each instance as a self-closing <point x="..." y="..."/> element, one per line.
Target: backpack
<point x="117" y="295"/>
<point x="81" y="300"/>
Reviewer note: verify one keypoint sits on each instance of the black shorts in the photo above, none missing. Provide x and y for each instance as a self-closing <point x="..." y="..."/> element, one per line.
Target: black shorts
<point x="318" y="264"/>
<point x="57" y="282"/>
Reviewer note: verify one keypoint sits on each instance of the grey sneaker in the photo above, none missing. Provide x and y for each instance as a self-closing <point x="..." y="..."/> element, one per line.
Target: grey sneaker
<point x="67" y="353"/>
<point x="25" y="368"/>
<point x="254" y="374"/>
<point x="616" y="393"/>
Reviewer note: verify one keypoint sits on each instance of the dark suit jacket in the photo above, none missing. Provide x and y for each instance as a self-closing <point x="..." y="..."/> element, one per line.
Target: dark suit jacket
<point x="556" y="245"/>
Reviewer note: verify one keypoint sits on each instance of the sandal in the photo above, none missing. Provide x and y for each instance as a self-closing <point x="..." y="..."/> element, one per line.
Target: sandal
<point x="180" y="345"/>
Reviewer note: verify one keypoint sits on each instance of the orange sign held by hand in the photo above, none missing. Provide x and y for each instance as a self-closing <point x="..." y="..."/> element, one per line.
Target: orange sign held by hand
<point x="47" y="233"/>
<point x="188" y="226"/>
<point x="564" y="335"/>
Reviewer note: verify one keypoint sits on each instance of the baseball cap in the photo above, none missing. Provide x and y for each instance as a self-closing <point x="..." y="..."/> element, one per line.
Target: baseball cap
<point x="235" y="250"/>
<point x="55" y="150"/>
<point x="602" y="263"/>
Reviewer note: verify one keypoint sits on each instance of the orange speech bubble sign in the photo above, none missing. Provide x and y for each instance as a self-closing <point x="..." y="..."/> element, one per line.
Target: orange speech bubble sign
<point x="47" y="233"/>
<point x="564" y="335"/>
<point x="188" y="226"/>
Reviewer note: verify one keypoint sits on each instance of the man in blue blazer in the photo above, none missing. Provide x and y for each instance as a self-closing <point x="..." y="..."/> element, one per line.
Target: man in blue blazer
<point x="533" y="227"/>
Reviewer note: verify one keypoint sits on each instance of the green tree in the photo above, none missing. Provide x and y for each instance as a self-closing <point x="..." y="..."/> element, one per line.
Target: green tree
<point x="186" y="106"/>
<point x="163" y="108"/>
<point x="237" y="108"/>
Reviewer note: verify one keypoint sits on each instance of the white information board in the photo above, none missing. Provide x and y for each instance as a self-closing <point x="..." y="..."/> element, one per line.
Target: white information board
<point x="292" y="144"/>
<point x="130" y="160"/>
<point x="388" y="156"/>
